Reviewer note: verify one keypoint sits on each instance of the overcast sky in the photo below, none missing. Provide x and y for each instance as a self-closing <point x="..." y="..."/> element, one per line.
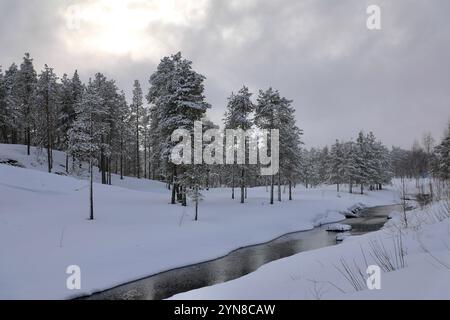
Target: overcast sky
<point x="341" y="76"/>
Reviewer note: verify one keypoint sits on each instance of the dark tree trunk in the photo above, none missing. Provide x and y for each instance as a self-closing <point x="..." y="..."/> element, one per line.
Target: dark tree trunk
<point x="242" y="186"/>
<point x="279" y="186"/>
<point x="174" y="177"/>
<point x="196" y="203"/>
<point x="28" y="139"/>
<point x="108" y="170"/>
<point x="183" y="191"/>
<point x="290" y="190"/>
<point x="91" y="191"/>
<point x="272" y="178"/>
<point x="232" y="183"/>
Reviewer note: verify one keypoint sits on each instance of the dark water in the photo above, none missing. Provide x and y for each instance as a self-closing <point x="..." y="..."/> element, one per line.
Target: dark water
<point x="241" y="261"/>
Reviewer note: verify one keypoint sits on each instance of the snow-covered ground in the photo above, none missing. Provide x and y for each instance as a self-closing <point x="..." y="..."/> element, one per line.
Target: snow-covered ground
<point x="136" y="232"/>
<point x="320" y="274"/>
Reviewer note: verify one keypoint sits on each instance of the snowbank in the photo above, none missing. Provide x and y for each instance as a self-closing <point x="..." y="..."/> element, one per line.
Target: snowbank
<point x="338" y="227"/>
<point x="319" y="274"/>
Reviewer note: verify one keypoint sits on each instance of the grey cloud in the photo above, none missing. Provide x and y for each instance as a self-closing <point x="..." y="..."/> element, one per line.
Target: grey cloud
<point x="341" y="76"/>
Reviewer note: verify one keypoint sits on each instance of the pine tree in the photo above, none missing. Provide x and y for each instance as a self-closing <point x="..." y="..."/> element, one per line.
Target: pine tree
<point x="289" y="145"/>
<point x="70" y="95"/>
<point x="442" y="167"/>
<point x="137" y="114"/>
<point x="26" y="84"/>
<point x="12" y="120"/>
<point x="275" y="112"/>
<point x="176" y="96"/>
<point x="337" y="164"/>
<point x="237" y="115"/>
<point x="4" y="128"/>
<point x="125" y="132"/>
<point x="360" y="160"/>
<point x="87" y="132"/>
<point x="265" y="118"/>
<point x="351" y="175"/>
<point x="46" y="105"/>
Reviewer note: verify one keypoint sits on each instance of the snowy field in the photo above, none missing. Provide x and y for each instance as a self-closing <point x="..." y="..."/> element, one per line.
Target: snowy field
<point x="136" y="232"/>
<point x="317" y="274"/>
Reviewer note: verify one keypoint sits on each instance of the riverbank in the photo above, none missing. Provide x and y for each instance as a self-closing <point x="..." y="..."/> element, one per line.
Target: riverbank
<point x="136" y="233"/>
<point x="243" y="260"/>
<point x="421" y="272"/>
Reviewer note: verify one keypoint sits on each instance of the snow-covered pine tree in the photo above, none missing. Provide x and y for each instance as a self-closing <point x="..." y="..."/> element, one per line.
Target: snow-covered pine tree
<point x="107" y="91"/>
<point x="124" y="136"/>
<point x="384" y="166"/>
<point x="26" y="83"/>
<point x="4" y="128"/>
<point x="290" y="142"/>
<point x="146" y="141"/>
<point x="87" y="133"/>
<point x="350" y="164"/>
<point x="337" y="164"/>
<point x="305" y="167"/>
<point x="361" y="159"/>
<point x="373" y="156"/>
<point x="237" y="116"/>
<point x="12" y="121"/>
<point x="323" y="164"/>
<point x="442" y="166"/>
<point x="176" y="94"/>
<point x="70" y="94"/>
<point x="137" y="115"/>
<point x="157" y="98"/>
<point x="266" y="118"/>
<point x="45" y="108"/>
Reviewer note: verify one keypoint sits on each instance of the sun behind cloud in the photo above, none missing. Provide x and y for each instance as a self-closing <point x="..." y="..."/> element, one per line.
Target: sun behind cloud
<point x="124" y="27"/>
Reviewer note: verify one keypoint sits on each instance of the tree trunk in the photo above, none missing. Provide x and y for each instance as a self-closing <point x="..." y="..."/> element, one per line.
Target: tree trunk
<point x="121" y="166"/>
<point x="290" y="190"/>
<point x="47" y="117"/>
<point x="279" y="186"/>
<point x="67" y="163"/>
<point x="137" y="144"/>
<point x="362" y="188"/>
<point x="242" y="186"/>
<point x="272" y="178"/>
<point x="337" y="187"/>
<point x="28" y="139"/>
<point x="196" y="203"/>
<point x="109" y="171"/>
<point x="145" y="159"/>
<point x="183" y="192"/>
<point x="174" y="177"/>
<point x="91" y="190"/>
<point x="232" y="183"/>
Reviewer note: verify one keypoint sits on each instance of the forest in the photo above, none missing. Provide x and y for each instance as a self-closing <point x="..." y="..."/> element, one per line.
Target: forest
<point x="93" y="122"/>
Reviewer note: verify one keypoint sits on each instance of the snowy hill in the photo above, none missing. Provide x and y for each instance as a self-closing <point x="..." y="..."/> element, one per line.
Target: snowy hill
<point x="16" y="155"/>
<point x="136" y="233"/>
